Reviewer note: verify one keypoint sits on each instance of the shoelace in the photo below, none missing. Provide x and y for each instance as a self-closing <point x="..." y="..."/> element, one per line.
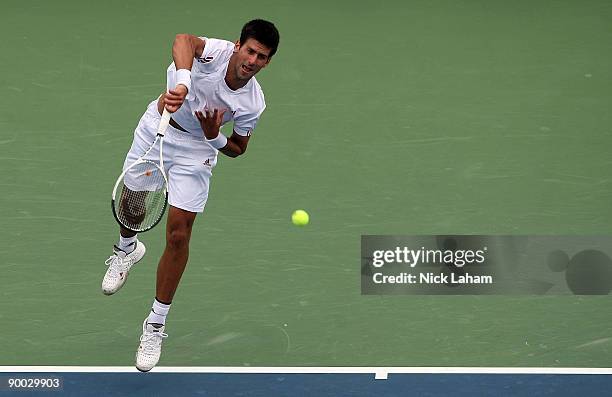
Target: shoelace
<point x="151" y="340"/>
<point x="117" y="264"/>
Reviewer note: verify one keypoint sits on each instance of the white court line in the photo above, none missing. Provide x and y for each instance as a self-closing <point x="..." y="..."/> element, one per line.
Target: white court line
<point x="379" y="372"/>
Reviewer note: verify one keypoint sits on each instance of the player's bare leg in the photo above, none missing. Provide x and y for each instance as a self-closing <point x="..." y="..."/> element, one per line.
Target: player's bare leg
<point x="174" y="259"/>
<point x="169" y="271"/>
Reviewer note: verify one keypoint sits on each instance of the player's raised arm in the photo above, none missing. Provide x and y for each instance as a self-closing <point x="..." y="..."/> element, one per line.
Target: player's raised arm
<point x="184" y="49"/>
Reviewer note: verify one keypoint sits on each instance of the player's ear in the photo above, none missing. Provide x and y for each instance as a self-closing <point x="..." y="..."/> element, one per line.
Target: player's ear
<point x="267" y="60"/>
<point x="236" y="45"/>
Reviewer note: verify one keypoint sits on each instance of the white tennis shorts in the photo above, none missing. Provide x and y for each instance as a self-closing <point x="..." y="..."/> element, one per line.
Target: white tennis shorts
<point x="188" y="160"/>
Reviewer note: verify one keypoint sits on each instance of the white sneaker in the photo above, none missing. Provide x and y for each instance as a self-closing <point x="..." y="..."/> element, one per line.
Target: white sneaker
<point x="119" y="264"/>
<point x="149" y="350"/>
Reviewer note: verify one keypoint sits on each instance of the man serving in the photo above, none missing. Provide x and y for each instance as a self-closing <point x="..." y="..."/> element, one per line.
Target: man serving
<point x="211" y="82"/>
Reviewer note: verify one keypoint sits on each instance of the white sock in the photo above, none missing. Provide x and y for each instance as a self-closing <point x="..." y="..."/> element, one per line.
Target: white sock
<point x="126" y="244"/>
<point x="158" y="314"/>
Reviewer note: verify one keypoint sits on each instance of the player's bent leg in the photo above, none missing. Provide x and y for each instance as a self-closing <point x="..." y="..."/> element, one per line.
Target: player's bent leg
<point x="132" y="208"/>
<point x="119" y="265"/>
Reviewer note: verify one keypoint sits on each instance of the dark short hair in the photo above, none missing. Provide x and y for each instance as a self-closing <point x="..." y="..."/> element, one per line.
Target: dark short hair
<point x="263" y="31"/>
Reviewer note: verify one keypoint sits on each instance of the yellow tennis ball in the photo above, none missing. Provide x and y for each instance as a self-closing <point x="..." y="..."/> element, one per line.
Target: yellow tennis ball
<point x="300" y="218"/>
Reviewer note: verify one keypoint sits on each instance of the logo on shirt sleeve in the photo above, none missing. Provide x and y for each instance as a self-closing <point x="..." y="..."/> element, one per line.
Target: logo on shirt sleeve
<point x="206" y="59"/>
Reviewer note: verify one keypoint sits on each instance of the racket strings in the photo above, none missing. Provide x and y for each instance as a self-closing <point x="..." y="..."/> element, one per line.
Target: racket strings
<point x="142" y="198"/>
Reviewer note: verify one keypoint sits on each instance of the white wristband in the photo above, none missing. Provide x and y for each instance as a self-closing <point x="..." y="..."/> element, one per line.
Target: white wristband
<point x="183" y="76"/>
<point x="219" y="142"/>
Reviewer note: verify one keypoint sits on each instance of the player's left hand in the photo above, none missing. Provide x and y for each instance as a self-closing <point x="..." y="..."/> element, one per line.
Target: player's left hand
<point x="210" y="121"/>
<point x="173" y="99"/>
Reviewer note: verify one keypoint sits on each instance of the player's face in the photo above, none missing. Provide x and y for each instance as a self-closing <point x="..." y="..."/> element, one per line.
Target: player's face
<point x="252" y="56"/>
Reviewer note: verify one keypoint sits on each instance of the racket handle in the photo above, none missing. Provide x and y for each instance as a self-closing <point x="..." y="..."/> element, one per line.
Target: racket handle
<point x="164" y="122"/>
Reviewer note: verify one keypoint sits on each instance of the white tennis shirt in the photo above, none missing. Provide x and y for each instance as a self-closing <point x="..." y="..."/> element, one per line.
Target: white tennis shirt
<point x="209" y="90"/>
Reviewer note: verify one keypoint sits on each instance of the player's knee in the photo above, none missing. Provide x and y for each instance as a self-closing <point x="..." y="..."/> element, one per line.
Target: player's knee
<point x="177" y="238"/>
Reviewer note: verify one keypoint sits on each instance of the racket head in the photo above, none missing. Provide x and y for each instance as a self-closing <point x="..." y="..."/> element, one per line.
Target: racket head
<point x="140" y="196"/>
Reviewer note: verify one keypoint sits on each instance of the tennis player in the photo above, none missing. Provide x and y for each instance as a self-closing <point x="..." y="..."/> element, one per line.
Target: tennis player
<point x="211" y="83"/>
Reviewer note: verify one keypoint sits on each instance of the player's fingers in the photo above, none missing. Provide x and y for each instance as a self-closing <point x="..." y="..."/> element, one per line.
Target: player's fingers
<point x="220" y="115"/>
<point x="173" y="102"/>
<point x="177" y="93"/>
<point x="173" y="96"/>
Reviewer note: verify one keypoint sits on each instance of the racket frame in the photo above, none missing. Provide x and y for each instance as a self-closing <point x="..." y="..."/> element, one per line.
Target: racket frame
<point x="161" y="131"/>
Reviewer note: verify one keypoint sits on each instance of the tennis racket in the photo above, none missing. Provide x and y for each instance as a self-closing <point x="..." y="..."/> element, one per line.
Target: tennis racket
<point x="140" y="195"/>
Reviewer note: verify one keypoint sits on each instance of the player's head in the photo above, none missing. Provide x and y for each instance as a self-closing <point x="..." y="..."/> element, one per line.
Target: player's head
<point x="258" y="43"/>
<point x="263" y="31"/>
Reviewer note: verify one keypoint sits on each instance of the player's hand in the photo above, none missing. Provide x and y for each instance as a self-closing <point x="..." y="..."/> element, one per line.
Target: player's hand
<point x="210" y="121"/>
<point x="173" y="99"/>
